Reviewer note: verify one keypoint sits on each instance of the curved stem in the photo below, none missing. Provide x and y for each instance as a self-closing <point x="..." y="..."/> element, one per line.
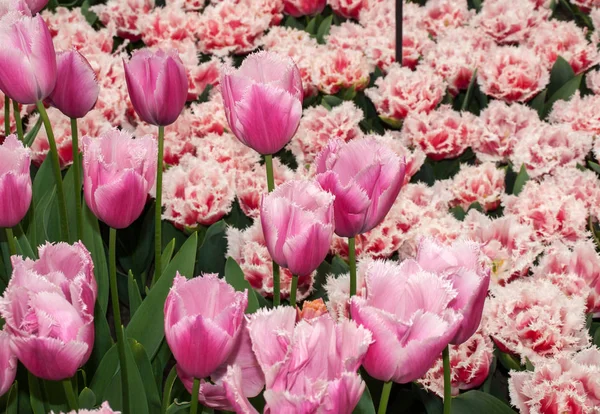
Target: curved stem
<point x="12" y="247"/>
<point x="114" y="296"/>
<point x="167" y="390"/>
<point x="77" y="178"/>
<point x="6" y="115"/>
<point x="447" y="380"/>
<point x="276" y="277"/>
<point x="62" y="205"/>
<point x="18" y="120"/>
<point x="70" y="393"/>
<point x="195" y="390"/>
<point x="352" y="260"/>
<point x="158" y="209"/>
<point x="293" y="290"/>
<point x="385" y="397"/>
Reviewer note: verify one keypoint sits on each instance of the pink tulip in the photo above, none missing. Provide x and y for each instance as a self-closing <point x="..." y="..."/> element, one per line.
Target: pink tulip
<point x="459" y="263"/>
<point x="203" y="319"/>
<point x="27" y="58"/>
<point x="263" y="101"/>
<point x="48" y="307"/>
<point x="76" y="90"/>
<point x="157" y="85"/>
<point x="11" y="6"/>
<point x="104" y="409"/>
<point x="297" y="222"/>
<point x="309" y="367"/>
<point x="36" y="6"/>
<point x="118" y="172"/>
<point x="365" y="176"/>
<point x="8" y="363"/>
<point x="15" y="181"/>
<point x="298" y="8"/>
<point x="406" y="310"/>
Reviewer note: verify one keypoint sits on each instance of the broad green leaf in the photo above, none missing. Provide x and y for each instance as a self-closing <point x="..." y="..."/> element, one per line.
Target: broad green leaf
<point x="211" y="254"/>
<point x="347" y="94"/>
<point x="521" y="179"/>
<point x="168" y="388"/>
<point x="312" y="25"/>
<point x="103" y="340"/>
<point x="509" y="362"/>
<point x="106" y="374"/>
<point x="235" y="277"/>
<point x="23" y="244"/>
<point x="365" y="404"/>
<point x="477" y="402"/>
<point x="12" y="401"/>
<point x="92" y="239"/>
<point x="469" y="93"/>
<point x="36" y="398"/>
<point x="135" y="244"/>
<point x="331" y="101"/>
<point x="594" y="166"/>
<point x="323" y="271"/>
<point x="560" y="74"/>
<point x="145" y="369"/>
<point x="537" y="103"/>
<point x="89" y="15"/>
<point x="32" y="133"/>
<point x="87" y="399"/>
<point x="565" y="92"/>
<point x="339" y="266"/>
<point x="458" y="212"/>
<point x="137" y="391"/>
<point x="596" y="340"/>
<point x="167" y="255"/>
<point x="324" y="28"/>
<point x="135" y="298"/>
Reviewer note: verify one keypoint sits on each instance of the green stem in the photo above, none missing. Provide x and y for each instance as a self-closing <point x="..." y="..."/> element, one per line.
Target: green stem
<point x="195" y="390"/>
<point x="77" y="178"/>
<point x="385" y="397"/>
<point x="70" y="393"/>
<point x="352" y="260"/>
<point x="6" y="115"/>
<point x="12" y="247"/>
<point x="17" y="114"/>
<point x="114" y="296"/>
<point x="158" y="209"/>
<point x="62" y="205"/>
<point x="447" y="380"/>
<point x="293" y="290"/>
<point x="276" y="277"/>
<point x="167" y="390"/>
<point x="270" y="175"/>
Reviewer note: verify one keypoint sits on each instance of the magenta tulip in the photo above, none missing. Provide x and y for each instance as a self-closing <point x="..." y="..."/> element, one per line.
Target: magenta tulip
<point x="203" y="319"/>
<point x="406" y="310"/>
<point x="263" y="101"/>
<point x="297" y="222"/>
<point x="27" y="58"/>
<point x="77" y="89"/>
<point x="15" y="181"/>
<point x="460" y="264"/>
<point x="118" y="173"/>
<point x="298" y="8"/>
<point x="365" y="176"/>
<point x="48" y="307"/>
<point x="157" y="85"/>
<point x="8" y="363"/>
<point x="36" y="6"/>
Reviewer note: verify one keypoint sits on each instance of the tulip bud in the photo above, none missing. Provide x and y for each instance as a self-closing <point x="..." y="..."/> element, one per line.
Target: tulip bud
<point x="15" y="181"/>
<point x="263" y="101"/>
<point x="8" y="363"/>
<point x="76" y="90"/>
<point x="157" y="85"/>
<point x="48" y="307"/>
<point x="298" y="8"/>
<point x="365" y="176"/>
<point x="36" y="6"/>
<point x="27" y="58"/>
<point x="118" y="173"/>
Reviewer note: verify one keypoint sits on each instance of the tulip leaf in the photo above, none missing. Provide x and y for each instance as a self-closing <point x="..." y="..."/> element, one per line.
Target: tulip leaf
<point x="594" y="166"/>
<point x="235" y="277"/>
<point x="458" y="212"/>
<point x="87" y="399"/>
<point x="211" y="254"/>
<point x="12" y="400"/>
<point x="70" y="198"/>
<point x="564" y="93"/>
<point x="145" y="369"/>
<point x="138" y="402"/>
<point x="324" y="28"/>
<point x="330" y="101"/>
<point x="560" y="74"/>
<point x="520" y="181"/>
<point x="339" y="266"/>
<point x="323" y="271"/>
<point x="537" y="103"/>
<point x="147" y="325"/>
<point x="159" y="363"/>
<point x="469" y="93"/>
<point x="36" y="398"/>
<point x="135" y="244"/>
<point x="167" y="255"/>
<point x="103" y="340"/>
<point x="106" y="374"/>
<point x="476" y="402"/>
<point x="135" y="298"/>
<point x="365" y="404"/>
<point x="391" y="122"/>
<point x="23" y="245"/>
<point x="32" y="133"/>
<point x="92" y="239"/>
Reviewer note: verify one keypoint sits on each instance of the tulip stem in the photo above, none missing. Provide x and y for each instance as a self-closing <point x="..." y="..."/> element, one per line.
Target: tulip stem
<point x="158" y="209"/>
<point x="385" y="397"/>
<point x="12" y="247"/>
<point x="114" y="296"/>
<point x="271" y="187"/>
<point x="293" y="290"/>
<point x="77" y="178"/>
<point x="18" y="121"/>
<point x="62" y="205"/>
<point x="352" y="260"/>
<point x="6" y="115"/>
<point x="447" y="380"/>
<point x="195" y="391"/>
<point x="70" y="393"/>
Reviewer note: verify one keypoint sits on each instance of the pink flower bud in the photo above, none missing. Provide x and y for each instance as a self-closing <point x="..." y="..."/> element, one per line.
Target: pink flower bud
<point x="263" y="101"/>
<point x="157" y="85"/>
<point x="8" y="363"/>
<point x="15" y="181"/>
<point x="48" y="307"/>
<point x="118" y="173"/>
<point x="299" y="8"/>
<point x="76" y="90"/>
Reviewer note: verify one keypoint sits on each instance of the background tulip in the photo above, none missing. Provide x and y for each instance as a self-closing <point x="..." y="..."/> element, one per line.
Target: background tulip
<point x="118" y="172"/>
<point x="298" y="8"/>
<point x="8" y="363"/>
<point x="27" y="58"/>
<point x="36" y="6"/>
<point x="104" y="409"/>
<point x="15" y="181"/>
<point x="263" y="101"/>
<point x="203" y="317"/>
<point x="157" y="85"/>
<point x="48" y="307"/>
<point x="76" y="90"/>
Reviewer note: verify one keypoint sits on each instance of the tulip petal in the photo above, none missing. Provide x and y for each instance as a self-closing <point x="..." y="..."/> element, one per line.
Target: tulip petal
<point x="343" y="394"/>
<point x="17" y="80"/>
<point x="43" y="58"/>
<point x="307" y="250"/>
<point x="283" y="402"/>
<point x="8" y="363"/>
<point x="171" y="91"/>
<point x="233" y="383"/>
<point x="128" y="191"/>
<point x="472" y="292"/>
<point x="15" y="198"/>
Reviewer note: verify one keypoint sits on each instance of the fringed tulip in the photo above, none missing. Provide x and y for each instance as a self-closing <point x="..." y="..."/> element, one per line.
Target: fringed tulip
<point x="309" y="367"/>
<point x="27" y="58"/>
<point x="15" y="181"/>
<point x="365" y="176"/>
<point x="77" y="89"/>
<point x="48" y="307"/>
<point x="36" y="6"/>
<point x="298" y="8"/>
<point x="9" y="6"/>
<point x="460" y="264"/>
<point x="103" y="409"/>
<point x="157" y="85"/>
<point x="263" y="101"/>
<point x="203" y="318"/>
<point x="8" y="363"/>
<point x="297" y="222"/>
<point x="407" y="311"/>
<point x="118" y="173"/>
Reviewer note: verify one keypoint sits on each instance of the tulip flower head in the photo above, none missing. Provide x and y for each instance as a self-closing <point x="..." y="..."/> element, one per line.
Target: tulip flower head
<point x="103" y="409"/>
<point x="36" y="6"/>
<point x="15" y="181"/>
<point x="298" y="8"/>
<point x="8" y="363"/>
<point x="263" y="101"/>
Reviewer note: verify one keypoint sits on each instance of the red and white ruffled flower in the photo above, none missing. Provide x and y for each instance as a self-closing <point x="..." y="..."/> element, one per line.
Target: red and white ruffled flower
<point x="442" y="15"/>
<point x="227" y="150"/>
<point x="125" y="15"/>
<point x="483" y="184"/>
<point x="169" y="23"/>
<point x="336" y="69"/>
<point x="347" y="8"/>
<point x="413" y="156"/>
<point x="592" y="80"/>
<point x="581" y="113"/>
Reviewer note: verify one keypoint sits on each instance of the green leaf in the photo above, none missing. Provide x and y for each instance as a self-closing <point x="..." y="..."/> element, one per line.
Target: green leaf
<point x="36" y="398"/>
<point x="107" y="373"/>
<point x="87" y="399"/>
<point x="469" y="93"/>
<point x="177" y="407"/>
<point x="565" y="92"/>
<point x="365" y="404"/>
<point x="324" y="28"/>
<point x="392" y="122"/>
<point x="135" y="298"/>
<point x="537" y="103"/>
<point x="594" y="166"/>
<point x="32" y="133"/>
<point x="509" y="362"/>
<point x="89" y="15"/>
<point x="102" y="343"/>
<point x="235" y="277"/>
<point x="145" y="369"/>
<point x="323" y="270"/>
<point x="135" y="244"/>
<point x="477" y="402"/>
<point x="347" y="94"/>
<point x="339" y="266"/>
<point x="458" y="212"/>
<point x="68" y="185"/>
<point x="311" y="27"/>
<point x="331" y="101"/>
<point x="23" y="245"/>
<point x="92" y="239"/>
<point x="167" y="255"/>
<point x="596" y="340"/>
<point x="137" y="389"/>
<point x="520" y="181"/>
<point x="211" y="255"/>
<point x="560" y="74"/>
<point x="12" y="404"/>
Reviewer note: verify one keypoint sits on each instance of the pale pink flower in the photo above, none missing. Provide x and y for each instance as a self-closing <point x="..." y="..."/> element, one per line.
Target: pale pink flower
<point x="103" y="409"/>
<point x="348" y="35"/>
<point x="413" y="156"/>
<point x="347" y="8"/>
<point x="442" y="15"/>
<point x="208" y="117"/>
<point x="338" y="290"/>
<point x="580" y="112"/>
<point x="592" y="80"/>
<point x="233" y="156"/>
<point x="170" y="22"/>
<point x="478" y="183"/>
<point x="595" y="16"/>
<point x="512" y="74"/>
<point x="583" y="185"/>
<point x="125" y="15"/>
<point x="201" y="76"/>
<point x="113" y="101"/>
<point x="336" y="69"/>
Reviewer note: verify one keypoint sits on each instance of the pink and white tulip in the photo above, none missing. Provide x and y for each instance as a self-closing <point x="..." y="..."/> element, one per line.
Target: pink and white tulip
<point x="48" y="307"/>
<point x="118" y="173"/>
<point x="297" y="221"/>
<point x="15" y="181"/>
<point x="203" y="319"/>
<point x="365" y="176"/>
<point x="8" y="363"/>
<point x="299" y="8"/>
<point x="263" y="101"/>
<point x="103" y="409"/>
